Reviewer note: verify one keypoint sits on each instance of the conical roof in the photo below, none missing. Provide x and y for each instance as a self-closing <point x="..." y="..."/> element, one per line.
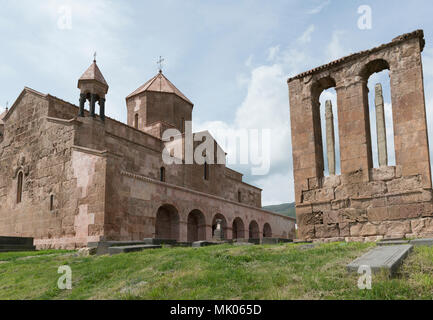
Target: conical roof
<point x="159" y="83"/>
<point x="93" y="73"/>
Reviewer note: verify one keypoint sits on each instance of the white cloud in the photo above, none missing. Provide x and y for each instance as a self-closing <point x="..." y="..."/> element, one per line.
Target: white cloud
<point x="273" y="52"/>
<point x="335" y="50"/>
<point x="306" y="36"/>
<point x="319" y="8"/>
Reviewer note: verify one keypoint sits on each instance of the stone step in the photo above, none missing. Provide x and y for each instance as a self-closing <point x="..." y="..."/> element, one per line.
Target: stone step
<point x="16" y="241"/>
<point x="387" y="258"/>
<point x="17" y="247"/>
<point x="392" y="242"/>
<point x="422" y="242"/>
<point x="133" y="248"/>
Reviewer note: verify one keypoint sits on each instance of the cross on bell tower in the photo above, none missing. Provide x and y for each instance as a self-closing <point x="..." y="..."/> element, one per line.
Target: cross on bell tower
<point x="159" y="62"/>
<point x="93" y="88"/>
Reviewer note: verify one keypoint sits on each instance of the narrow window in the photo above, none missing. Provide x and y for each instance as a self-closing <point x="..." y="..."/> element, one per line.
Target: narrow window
<point x="136" y="121"/>
<point x="206" y="171"/>
<point x="20" y="187"/>
<point x="183" y="125"/>
<point x="52" y="202"/>
<point x="239" y="196"/>
<point x="162" y="174"/>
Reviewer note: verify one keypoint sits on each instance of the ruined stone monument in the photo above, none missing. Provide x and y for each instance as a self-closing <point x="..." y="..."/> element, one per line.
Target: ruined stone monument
<point x="363" y="203"/>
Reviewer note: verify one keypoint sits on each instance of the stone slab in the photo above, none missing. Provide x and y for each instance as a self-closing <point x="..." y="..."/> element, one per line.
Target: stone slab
<point x="16" y="241"/>
<point x="134" y="248"/>
<point x="159" y="241"/>
<point x="422" y="242"/>
<point x="198" y="244"/>
<point x="275" y="240"/>
<point x="392" y="242"/>
<point x="387" y="258"/>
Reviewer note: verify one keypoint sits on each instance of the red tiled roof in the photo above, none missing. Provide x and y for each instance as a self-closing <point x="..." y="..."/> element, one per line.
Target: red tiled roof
<point x="159" y="83"/>
<point x="93" y="73"/>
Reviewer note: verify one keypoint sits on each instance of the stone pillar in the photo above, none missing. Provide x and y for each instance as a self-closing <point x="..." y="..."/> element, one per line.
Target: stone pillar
<point x="218" y="233"/>
<point x="380" y="127"/>
<point x="102" y="108"/>
<point x="330" y="137"/>
<point x="82" y="102"/>
<point x="92" y="104"/>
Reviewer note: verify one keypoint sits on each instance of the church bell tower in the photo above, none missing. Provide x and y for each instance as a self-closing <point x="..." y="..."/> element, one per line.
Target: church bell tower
<point x="93" y="88"/>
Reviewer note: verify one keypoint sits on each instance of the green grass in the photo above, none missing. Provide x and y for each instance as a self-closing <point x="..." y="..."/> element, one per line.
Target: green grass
<point x="221" y="272"/>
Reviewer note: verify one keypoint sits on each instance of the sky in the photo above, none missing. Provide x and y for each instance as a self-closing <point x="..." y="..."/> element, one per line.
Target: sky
<point x="231" y="58"/>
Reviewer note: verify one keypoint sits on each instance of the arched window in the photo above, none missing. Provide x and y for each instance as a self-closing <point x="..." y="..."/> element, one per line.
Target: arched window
<point x="326" y="126"/>
<point x="136" y="121"/>
<point x="162" y="174"/>
<point x="206" y="171"/>
<point x="20" y="187"/>
<point x="377" y="96"/>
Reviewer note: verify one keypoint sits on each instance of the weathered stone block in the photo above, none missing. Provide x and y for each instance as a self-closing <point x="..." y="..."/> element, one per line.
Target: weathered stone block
<point x="353" y="215"/>
<point x="344" y="229"/>
<point x="331" y="182"/>
<point x="326" y="231"/>
<point x="310" y="218"/>
<point x="331" y="217"/>
<point x="383" y="173"/>
<point x="325" y="194"/>
<point x="405" y="184"/>
<point x="306" y="232"/>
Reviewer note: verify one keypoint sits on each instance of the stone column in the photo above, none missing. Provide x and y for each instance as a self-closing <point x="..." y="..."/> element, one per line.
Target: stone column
<point x="330" y="137"/>
<point x="102" y="108"/>
<point x="82" y="102"/>
<point x="92" y="104"/>
<point x="380" y="127"/>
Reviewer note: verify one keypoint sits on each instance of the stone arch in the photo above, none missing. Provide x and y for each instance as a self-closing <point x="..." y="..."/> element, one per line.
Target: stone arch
<point x="196" y="226"/>
<point x="223" y="225"/>
<point x="267" y="231"/>
<point x="253" y="230"/>
<point x="378" y="119"/>
<point x="238" y="229"/>
<point x="325" y="127"/>
<point x="167" y="223"/>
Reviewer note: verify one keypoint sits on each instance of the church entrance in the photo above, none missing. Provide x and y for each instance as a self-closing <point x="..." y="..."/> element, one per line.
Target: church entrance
<point x="167" y="223"/>
<point x="238" y="229"/>
<point x="196" y="226"/>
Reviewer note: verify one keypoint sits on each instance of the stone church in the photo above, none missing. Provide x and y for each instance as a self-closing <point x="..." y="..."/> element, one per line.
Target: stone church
<point x="70" y="176"/>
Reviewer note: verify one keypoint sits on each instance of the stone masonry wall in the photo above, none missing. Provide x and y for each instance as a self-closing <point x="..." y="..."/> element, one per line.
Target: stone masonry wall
<point x="363" y="203"/>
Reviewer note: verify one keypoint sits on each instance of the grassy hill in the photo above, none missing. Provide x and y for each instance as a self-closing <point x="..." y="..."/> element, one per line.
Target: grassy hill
<point x="287" y="209"/>
<point x="287" y="271"/>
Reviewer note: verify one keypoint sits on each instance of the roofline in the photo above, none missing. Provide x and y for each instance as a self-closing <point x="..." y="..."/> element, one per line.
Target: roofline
<point x="26" y="89"/>
<point x="404" y="37"/>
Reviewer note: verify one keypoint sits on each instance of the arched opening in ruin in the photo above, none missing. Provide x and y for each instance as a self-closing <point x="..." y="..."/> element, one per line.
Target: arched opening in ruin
<point x="254" y="232"/>
<point x="377" y="100"/>
<point x="223" y="234"/>
<point x="325" y="117"/>
<point x="267" y="231"/>
<point x="167" y="223"/>
<point x="196" y="226"/>
<point x="238" y="229"/>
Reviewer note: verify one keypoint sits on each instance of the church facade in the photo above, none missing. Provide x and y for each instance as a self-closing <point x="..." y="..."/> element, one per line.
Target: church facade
<point x="70" y="176"/>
